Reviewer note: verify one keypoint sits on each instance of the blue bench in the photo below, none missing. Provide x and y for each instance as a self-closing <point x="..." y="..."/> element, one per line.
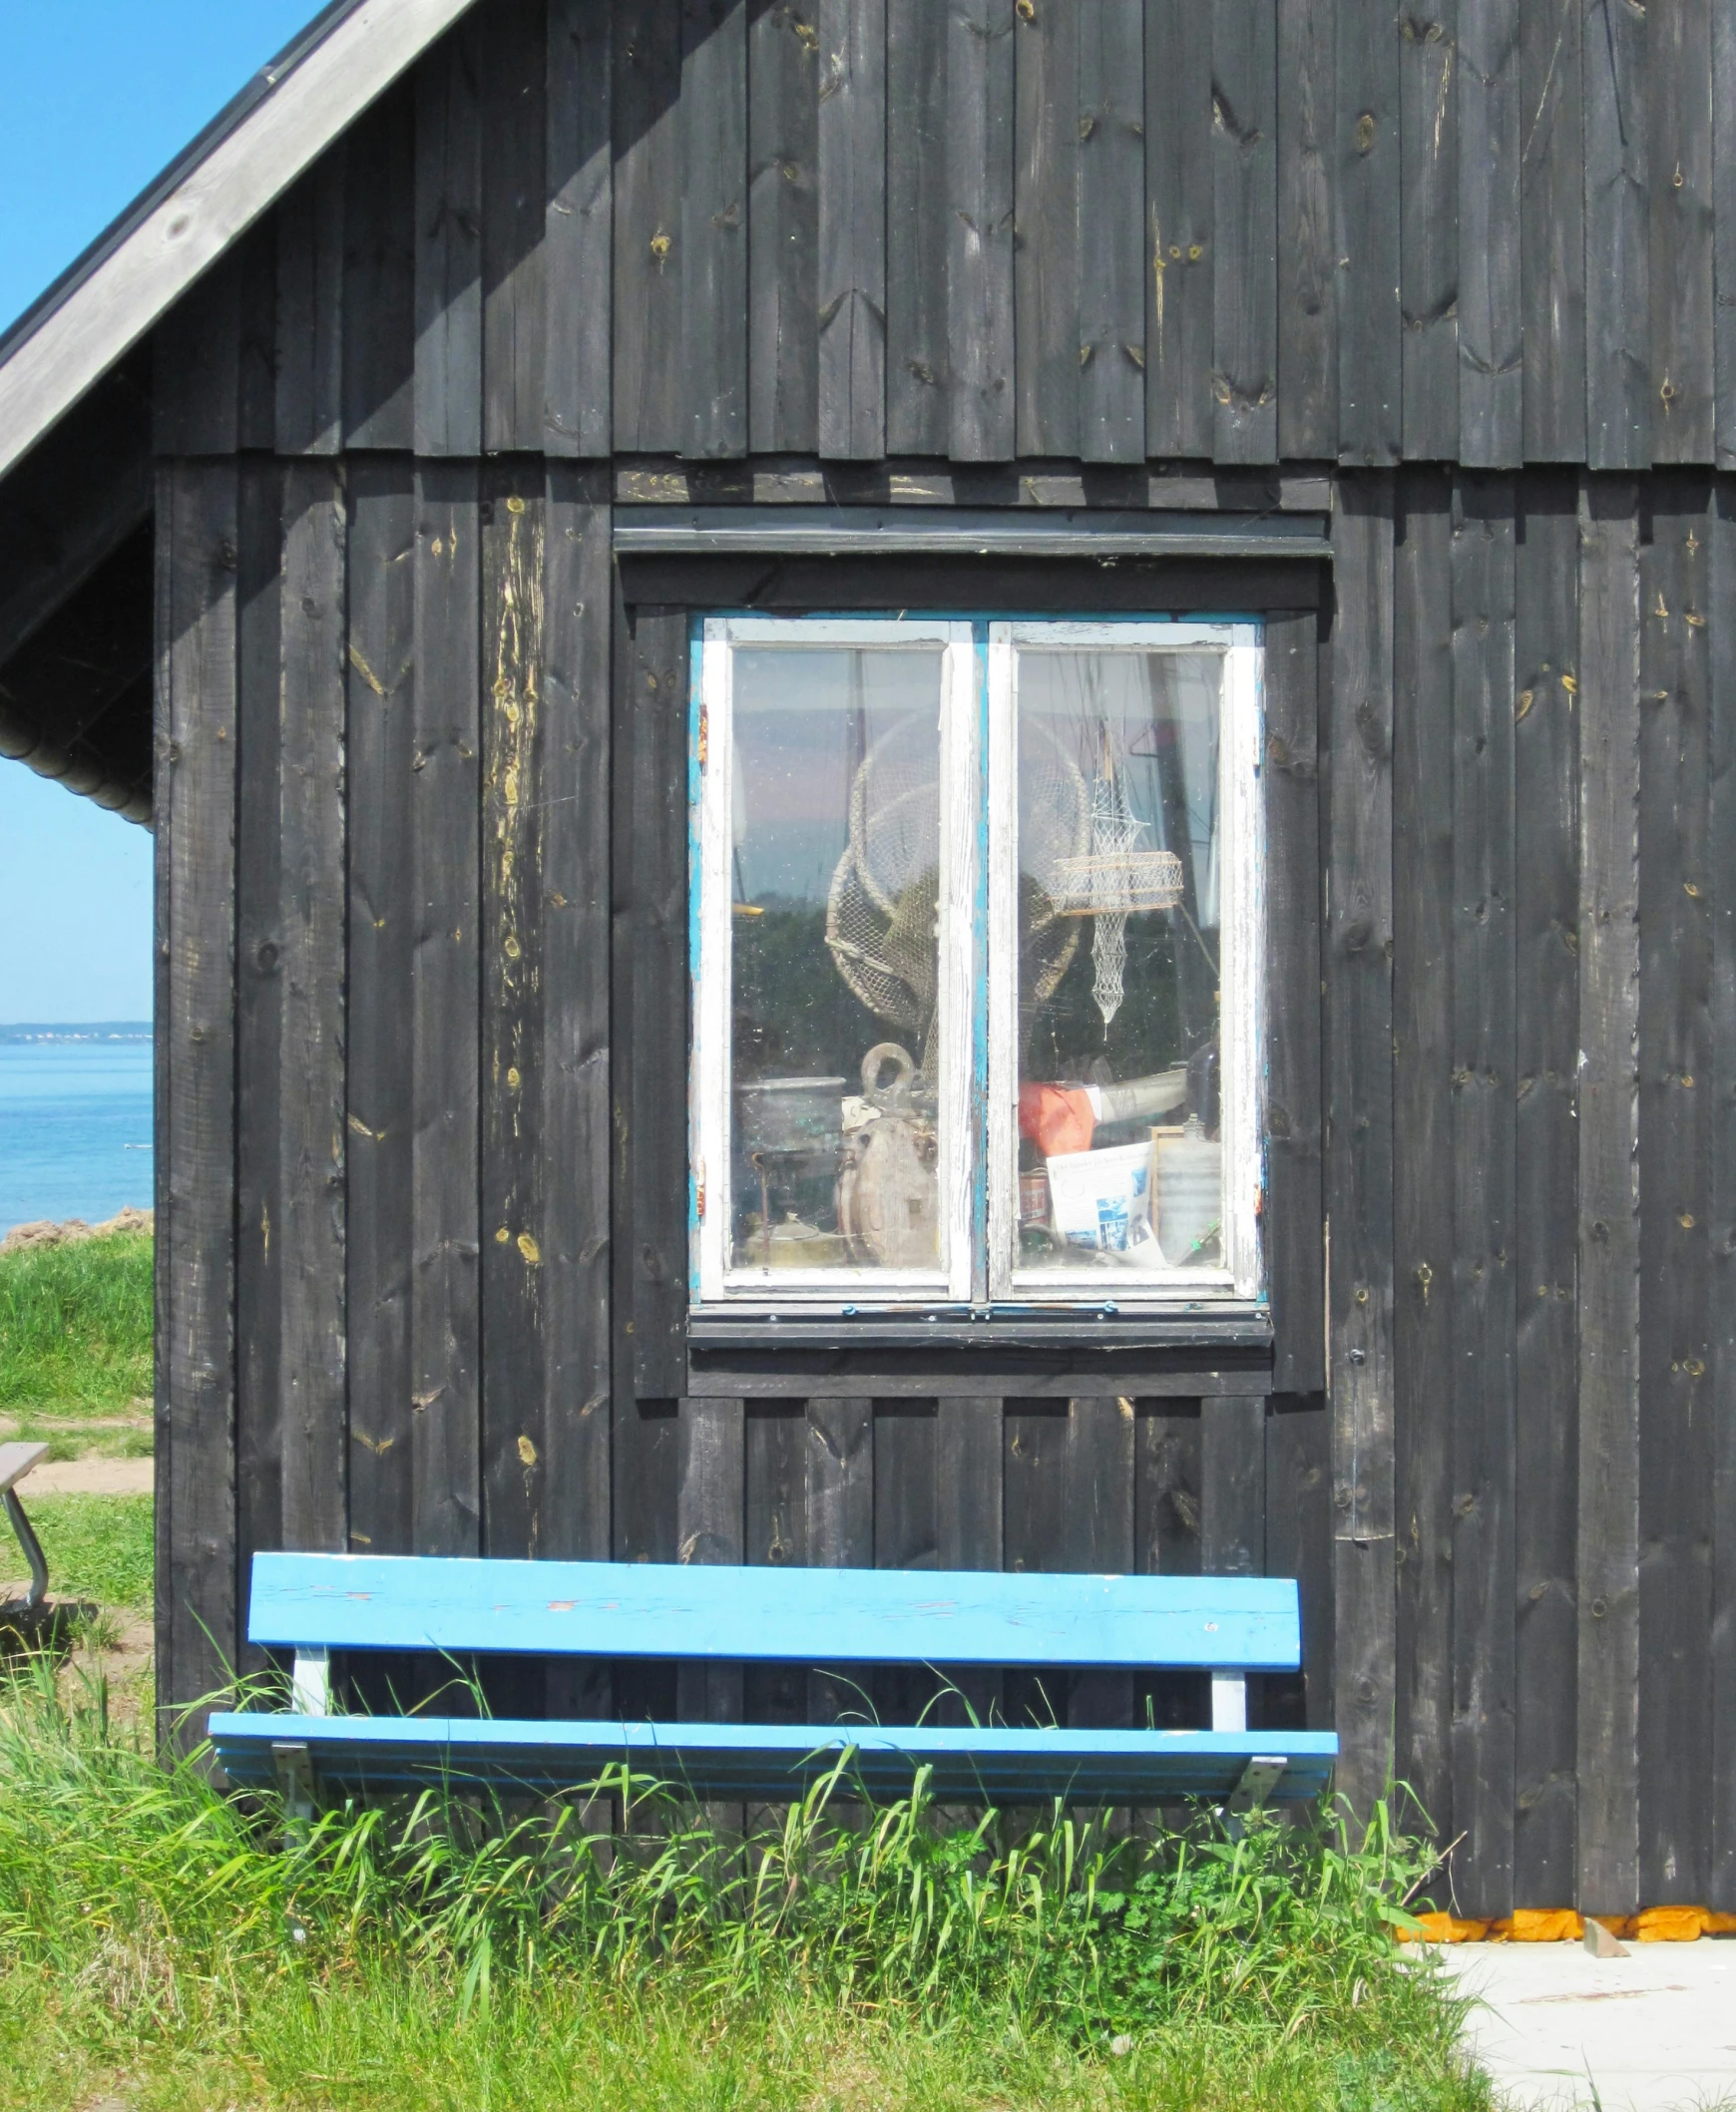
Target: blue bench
<point x="313" y="1604"/>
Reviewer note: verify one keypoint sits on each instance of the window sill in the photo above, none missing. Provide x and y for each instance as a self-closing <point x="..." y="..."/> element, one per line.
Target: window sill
<point x="1209" y="1349"/>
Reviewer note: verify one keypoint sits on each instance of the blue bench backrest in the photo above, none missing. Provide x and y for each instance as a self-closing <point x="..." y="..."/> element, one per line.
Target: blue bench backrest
<point x="812" y="1616"/>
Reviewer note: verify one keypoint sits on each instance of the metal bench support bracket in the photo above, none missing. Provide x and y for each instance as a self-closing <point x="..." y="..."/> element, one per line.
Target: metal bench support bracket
<point x="32" y="1547"/>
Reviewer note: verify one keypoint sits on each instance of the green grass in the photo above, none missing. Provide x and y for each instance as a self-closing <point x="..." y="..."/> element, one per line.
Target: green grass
<point x="155" y="1935"/>
<point x="98" y="1547"/>
<point x="75" y="1327"/>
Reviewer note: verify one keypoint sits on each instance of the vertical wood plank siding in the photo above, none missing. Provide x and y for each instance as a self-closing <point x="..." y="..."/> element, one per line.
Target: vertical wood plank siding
<point x="422" y="855"/>
<point x="1547" y="1062"/>
<point x="1618" y="307"/>
<point x="1111" y="295"/>
<point x="1181" y="253"/>
<point x="1299" y="1538"/>
<point x="1552" y="229"/>
<point x="310" y="1073"/>
<point x="650" y="903"/>
<point x="1429" y="101"/>
<point x="1367" y="169"/>
<point x="310" y="332"/>
<point x="1295" y="1255"/>
<point x="1481" y="1388"/>
<point x="1721" y="1227"/>
<point x="1724" y="235"/>
<point x="1609" y="1305"/>
<point x="980" y="232"/>
<point x="1245" y="113"/>
<point x="445" y="1023"/>
<point x="851" y="317"/>
<point x="1048" y="258"/>
<point x="918" y="373"/>
<point x="1307" y="245"/>
<point x="903" y="229"/>
<point x="1679" y="53"/>
<point x="1357" y="967"/>
<point x="783" y="206"/>
<point x="515" y="1170"/>
<point x="379" y="1144"/>
<point x="379" y="276"/>
<point x="712" y="245"/>
<point x="449" y="318"/>
<point x="514" y="224"/>
<point x="648" y="271"/>
<point x="574" y="1124"/>
<point x="259" y="1023"/>
<point x="1423" y="898"/>
<point x="1491" y="317"/>
<point x="577" y="237"/>
<point x="1675" y="1438"/>
<point x="197" y="544"/>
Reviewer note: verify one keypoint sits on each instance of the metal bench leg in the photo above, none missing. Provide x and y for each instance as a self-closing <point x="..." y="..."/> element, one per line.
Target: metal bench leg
<point x="310" y="1683"/>
<point x="1259" y="1778"/>
<point x="294" y="1765"/>
<point x="32" y="1547"/>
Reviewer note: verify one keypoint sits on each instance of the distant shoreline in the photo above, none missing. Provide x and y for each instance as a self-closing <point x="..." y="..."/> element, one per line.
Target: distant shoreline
<point x="35" y="1030"/>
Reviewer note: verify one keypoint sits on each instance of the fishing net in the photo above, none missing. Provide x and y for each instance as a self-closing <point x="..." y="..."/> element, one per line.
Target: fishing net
<point x="1111" y="882"/>
<point x="882" y="908"/>
<point x="885" y="893"/>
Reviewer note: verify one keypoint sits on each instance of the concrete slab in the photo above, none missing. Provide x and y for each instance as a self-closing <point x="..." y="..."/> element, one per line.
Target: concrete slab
<point x="1654" y="2031"/>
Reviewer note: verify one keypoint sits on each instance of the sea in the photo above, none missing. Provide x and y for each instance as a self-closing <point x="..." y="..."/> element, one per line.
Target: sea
<point x="75" y="1121"/>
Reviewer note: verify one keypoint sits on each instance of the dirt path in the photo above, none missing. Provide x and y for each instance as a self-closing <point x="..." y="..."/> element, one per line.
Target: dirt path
<point x="88" y="1477"/>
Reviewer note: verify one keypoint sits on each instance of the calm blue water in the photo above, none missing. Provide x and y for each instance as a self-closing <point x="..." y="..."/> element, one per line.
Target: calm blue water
<point x="75" y="1128"/>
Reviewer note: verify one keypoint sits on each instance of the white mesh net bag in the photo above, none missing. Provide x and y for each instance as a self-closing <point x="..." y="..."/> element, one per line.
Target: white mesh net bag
<point x="1111" y="882"/>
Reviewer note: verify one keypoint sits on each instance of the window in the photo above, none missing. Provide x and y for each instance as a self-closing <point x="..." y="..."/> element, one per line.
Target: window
<point x="975" y="919"/>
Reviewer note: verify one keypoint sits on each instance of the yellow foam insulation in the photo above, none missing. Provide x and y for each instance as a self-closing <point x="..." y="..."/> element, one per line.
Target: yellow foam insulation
<point x="1560" y="1925"/>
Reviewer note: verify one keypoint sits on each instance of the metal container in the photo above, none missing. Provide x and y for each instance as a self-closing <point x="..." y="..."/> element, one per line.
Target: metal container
<point x="789" y="1115"/>
<point x="795" y="1246"/>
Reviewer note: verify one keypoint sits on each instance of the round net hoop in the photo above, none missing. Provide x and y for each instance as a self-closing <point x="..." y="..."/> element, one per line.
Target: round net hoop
<point x="1101" y="883"/>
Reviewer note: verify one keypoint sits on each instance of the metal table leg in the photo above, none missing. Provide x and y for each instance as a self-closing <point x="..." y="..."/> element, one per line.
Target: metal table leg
<point x="32" y="1546"/>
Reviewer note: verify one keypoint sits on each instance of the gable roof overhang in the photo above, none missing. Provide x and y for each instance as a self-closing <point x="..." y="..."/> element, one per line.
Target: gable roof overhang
<point x="201" y="204"/>
<point x="76" y="495"/>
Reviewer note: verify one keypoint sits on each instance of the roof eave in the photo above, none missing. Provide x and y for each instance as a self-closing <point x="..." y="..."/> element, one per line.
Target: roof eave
<point x="202" y="204"/>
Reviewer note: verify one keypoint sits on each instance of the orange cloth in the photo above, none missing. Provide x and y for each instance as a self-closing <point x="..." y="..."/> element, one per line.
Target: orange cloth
<point x="1058" y="1118"/>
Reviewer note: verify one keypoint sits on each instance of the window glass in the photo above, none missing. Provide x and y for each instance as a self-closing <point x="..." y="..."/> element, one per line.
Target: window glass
<point x="1120" y="1152"/>
<point x="835" y="1036"/>
<point x="976" y="931"/>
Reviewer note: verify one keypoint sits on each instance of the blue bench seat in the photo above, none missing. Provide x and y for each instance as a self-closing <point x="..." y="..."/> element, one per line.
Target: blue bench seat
<point x="312" y="1605"/>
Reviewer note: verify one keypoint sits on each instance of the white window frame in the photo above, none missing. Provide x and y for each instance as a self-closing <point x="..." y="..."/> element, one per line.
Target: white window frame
<point x="1241" y="925"/>
<point x="978" y="1011"/>
<point x="711" y="1203"/>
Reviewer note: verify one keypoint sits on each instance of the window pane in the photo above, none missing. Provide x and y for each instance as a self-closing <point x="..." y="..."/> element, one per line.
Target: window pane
<point x="1118" y="1133"/>
<point x="835" y="887"/>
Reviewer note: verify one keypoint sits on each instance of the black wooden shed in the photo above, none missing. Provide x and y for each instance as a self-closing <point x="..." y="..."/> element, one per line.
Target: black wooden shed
<point x="370" y="499"/>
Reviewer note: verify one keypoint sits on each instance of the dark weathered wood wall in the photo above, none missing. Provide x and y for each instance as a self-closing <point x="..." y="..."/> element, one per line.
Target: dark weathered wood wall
<point x="421" y="840"/>
<point x="1093" y="230"/>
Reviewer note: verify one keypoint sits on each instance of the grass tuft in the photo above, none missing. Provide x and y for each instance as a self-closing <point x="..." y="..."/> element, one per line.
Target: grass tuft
<point x="75" y="1326"/>
<point x="440" y="1952"/>
<point x="97" y="1547"/>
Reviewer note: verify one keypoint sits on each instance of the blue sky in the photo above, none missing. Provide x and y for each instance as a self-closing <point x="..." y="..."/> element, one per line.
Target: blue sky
<point x="95" y="96"/>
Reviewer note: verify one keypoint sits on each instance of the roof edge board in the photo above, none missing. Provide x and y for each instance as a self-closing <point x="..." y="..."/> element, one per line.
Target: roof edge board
<point x="74" y="340"/>
<point x="232" y="114"/>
